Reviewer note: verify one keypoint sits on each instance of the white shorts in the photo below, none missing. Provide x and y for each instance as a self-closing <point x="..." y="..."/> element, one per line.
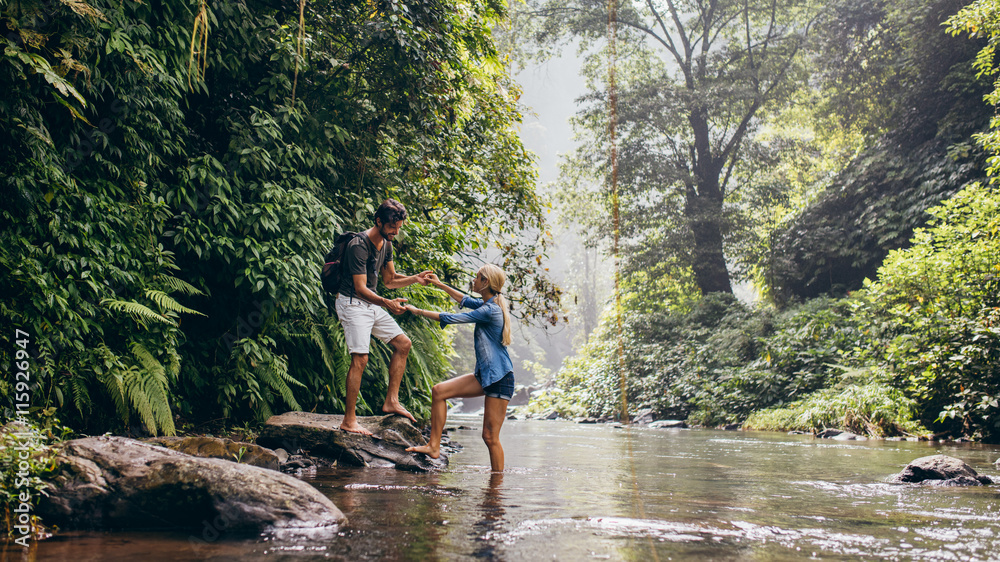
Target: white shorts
<point x="362" y="320"/>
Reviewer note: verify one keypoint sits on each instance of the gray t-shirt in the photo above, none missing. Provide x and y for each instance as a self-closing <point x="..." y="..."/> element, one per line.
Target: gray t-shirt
<point x="362" y="258"/>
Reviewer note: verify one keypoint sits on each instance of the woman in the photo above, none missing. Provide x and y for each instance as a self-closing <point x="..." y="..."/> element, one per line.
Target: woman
<point x="494" y="376"/>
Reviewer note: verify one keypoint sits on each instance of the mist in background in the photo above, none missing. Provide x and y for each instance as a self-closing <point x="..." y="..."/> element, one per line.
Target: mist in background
<point x="550" y="90"/>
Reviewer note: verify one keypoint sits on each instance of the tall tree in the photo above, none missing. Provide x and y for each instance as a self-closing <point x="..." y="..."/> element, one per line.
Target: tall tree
<point x="694" y="79"/>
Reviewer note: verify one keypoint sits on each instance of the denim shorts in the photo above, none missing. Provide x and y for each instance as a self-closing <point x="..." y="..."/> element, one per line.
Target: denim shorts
<point x="502" y="389"/>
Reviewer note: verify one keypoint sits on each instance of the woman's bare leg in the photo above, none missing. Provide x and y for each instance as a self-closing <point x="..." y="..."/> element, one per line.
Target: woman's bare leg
<point x="465" y="386"/>
<point x="494" y="413"/>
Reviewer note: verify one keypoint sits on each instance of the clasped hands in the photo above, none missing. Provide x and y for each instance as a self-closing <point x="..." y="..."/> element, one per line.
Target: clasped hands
<point x="396" y="305"/>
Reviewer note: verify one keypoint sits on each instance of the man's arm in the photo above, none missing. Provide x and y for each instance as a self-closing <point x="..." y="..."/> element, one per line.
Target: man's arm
<point x="361" y="290"/>
<point x="392" y="280"/>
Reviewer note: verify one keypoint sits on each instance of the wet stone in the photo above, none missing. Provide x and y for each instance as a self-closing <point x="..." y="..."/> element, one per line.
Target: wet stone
<point x="941" y="470"/>
<point x="840" y="435"/>
<point x="320" y="437"/>
<point x="643" y="416"/>
<point x="220" y="448"/>
<point x="113" y="482"/>
<point x="668" y="424"/>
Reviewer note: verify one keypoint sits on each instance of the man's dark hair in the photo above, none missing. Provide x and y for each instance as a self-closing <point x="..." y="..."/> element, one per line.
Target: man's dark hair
<point x="390" y="211"/>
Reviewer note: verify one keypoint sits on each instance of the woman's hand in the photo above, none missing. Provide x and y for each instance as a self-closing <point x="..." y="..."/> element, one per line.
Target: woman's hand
<point x="413" y="309"/>
<point x="433" y="279"/>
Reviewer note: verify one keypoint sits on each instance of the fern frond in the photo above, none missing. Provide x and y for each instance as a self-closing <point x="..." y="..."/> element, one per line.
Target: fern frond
<point x="147" y="361"/>
<point x="382" y="355"/>
<point x="159" y="401"/>
<point x="173" y="365"/>
<point x="81" y="397"/>
<point x="138" y="312"/>
<point x="166" y="302"/>
<point x="175" y="285"/>
<point x="138" y="398"/>
<point x="265" y="411"/>
<point x="114" y="382"/>
<point x="318" y="337"/>
<point x="339" y="349"/>
<point x="275" y="374"/>
<point x="146" y="386"/>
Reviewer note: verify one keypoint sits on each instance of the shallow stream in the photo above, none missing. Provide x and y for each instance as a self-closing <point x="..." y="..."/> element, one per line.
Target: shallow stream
<point x="594" y="492"/>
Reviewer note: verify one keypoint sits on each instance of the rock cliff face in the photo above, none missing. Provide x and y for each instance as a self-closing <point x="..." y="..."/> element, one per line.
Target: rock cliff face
<point x="120" y="483"/>
<point x="320" y="435"/>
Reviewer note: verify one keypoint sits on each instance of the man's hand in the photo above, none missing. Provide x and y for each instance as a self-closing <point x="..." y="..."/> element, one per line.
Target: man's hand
<point x="395" y="306"/>
<point x="424" y="277"/>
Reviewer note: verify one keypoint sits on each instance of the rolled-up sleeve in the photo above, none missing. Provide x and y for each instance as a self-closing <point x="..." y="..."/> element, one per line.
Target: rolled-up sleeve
<point x="479" y="313"/>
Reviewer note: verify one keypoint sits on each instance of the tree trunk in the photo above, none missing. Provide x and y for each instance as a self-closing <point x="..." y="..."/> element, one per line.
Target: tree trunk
<point x="704" y="214"/>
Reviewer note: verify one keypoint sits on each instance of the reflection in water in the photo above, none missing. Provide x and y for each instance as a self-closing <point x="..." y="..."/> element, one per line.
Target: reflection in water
<point x="492" y="518"/>
<point x="584" y="492"/>
<point x="638" y="507"/>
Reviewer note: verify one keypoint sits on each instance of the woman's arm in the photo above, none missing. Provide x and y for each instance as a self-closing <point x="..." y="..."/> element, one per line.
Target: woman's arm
<point x="452" y="292"/>
<point x="427" y="313"/>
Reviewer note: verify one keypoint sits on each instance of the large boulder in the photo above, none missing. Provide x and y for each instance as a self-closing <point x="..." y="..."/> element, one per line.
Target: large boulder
<point x="941" y="470"/>
<point x="220" y="448"/>
<point x="320" y="435"/>
<point x="119" y="483"/>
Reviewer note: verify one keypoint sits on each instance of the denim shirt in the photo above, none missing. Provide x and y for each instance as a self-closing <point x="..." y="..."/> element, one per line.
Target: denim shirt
<point x="492" y="360"/>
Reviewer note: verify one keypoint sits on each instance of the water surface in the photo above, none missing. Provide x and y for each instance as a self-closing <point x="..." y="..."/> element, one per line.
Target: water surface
<point x="593" y="492"/>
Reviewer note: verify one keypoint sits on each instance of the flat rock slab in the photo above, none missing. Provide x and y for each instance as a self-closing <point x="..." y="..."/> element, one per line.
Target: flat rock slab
<point x="840" y="435"/>
<point x="941" y="470"/>
<point x="321" y="436"/>
<point x="220" y="448"/>
<point x="119" y="483"/>
<point x="668" y="424"/>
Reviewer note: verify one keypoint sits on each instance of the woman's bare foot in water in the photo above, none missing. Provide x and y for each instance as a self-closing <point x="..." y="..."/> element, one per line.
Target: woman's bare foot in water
<point x="425" y="449"/>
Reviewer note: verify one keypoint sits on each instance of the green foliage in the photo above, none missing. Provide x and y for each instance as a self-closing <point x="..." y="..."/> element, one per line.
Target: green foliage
<point x="979" y="20"/>
<point x="165" y="208"/>
<point x="916" y="104"/>
<point x="27" y="458"/>
<point x="929" y="322"/>
<point x="588" y="382"/>
<point x="934" y="313"/>
<point x="873" y="409"/>
<point x="920" y="345"/>
<point x="754" y="359"/>
<point x="713" y="363"/>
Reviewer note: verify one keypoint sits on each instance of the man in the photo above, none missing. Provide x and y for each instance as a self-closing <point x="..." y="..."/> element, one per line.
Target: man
<point x="360" y="309"/>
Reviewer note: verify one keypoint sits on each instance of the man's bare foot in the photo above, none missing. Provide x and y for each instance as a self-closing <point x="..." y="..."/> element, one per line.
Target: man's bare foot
<point x="425" y="449"/>
<point x="399" y="410"/>
<point x="354" y="428"/>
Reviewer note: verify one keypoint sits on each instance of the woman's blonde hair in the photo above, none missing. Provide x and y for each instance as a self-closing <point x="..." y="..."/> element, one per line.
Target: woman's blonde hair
<point x="495" y="279"/>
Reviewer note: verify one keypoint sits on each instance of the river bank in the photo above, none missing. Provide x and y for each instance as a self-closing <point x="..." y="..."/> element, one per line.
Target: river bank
<point x="580" y="491"/>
